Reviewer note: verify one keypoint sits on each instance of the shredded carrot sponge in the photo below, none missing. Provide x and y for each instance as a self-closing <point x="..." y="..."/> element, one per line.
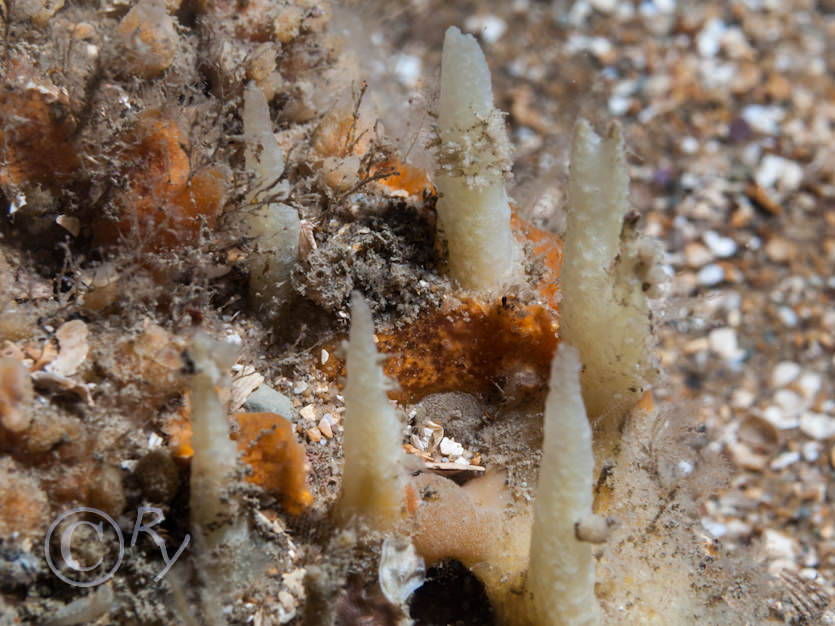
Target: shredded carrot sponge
<point x="35" y="132"/>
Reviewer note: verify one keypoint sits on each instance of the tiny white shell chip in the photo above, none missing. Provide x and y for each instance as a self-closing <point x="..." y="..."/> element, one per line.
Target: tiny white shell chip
<point x="401" y="572"/>
<point x="71" y="224"/>
<point x="73" y="348"/>
<point x="308" y="412"/>
<point x="451" y="448"/>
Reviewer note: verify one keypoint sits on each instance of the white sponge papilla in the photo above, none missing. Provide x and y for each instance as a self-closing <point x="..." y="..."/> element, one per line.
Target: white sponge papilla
<point x="561" y="570"/>
<point x="473" y="162"/>
<point x="272" y="225"/>
<point x="214" y="517"/>
<point x="605" y="277"/>
<point x="372" y="479"/>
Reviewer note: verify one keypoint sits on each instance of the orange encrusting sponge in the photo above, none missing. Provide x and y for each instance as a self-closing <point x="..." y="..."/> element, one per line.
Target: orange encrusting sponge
<point x="35" y="123"/>
<point x="547" y="249"/>
<point x="268" y="445"/>
<point x="478" y="346"/>
<point x="406" y="179"/>
<point x="473" y="348"/>
<point x="164" y="200"/>
<point x="278" y="461"/>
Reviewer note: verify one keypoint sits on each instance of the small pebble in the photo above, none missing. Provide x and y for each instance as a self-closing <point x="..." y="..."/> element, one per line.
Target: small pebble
<point x="779" y="418"/>
<point x="742" y="398"/>
<point x="789" y="401"/>
<point x="811" y="451"/>
<point x="787" y="316"/>
<point x="723" y="341"/>
<point x="689" y="145"/>
<point x="809" y="573"/>
<point x="780" y="250"/>
<point x="711" y="275"/>
<point x="722" y="247"/>
<point x="708" y="40"/>
<point x="778" y="545"/>
<point x="739" y="131"/>
<point x="764" y="119"/>
<point x="684" y="468"/>
<point x="737" y="529"/>
<point x="784" y="373"/>
<point x="266" y="399"/>
<point x="716" y="529"/>
<point x="321" y="390"/>
<point x="324" y="426"/>
<point x="817" y="426"/>
<point x="619" y="105"/>
<point x="300" y="387"/>
<point x="407" y="69"/>
<point x="696" y="255"/>
<point x="810" y="384"/>
<point x="780" y="172"/>
<point x="784" y="460"/>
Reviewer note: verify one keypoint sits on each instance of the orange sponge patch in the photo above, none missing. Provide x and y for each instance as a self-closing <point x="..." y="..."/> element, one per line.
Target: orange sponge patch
<point x="164" y="201"/>
<point x="407" y="179"/>
<point x="547" y="250"/>
<point x="477" y="347"/>
<point x="33" y="123"/>
<point x="277" y="460"/>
